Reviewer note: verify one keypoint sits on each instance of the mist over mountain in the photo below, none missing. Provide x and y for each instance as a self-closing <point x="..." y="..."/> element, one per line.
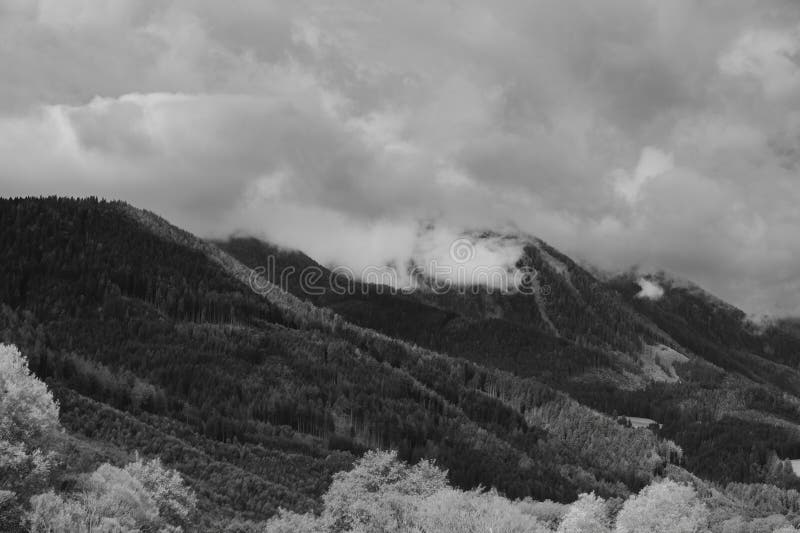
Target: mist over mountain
<point x="663" y="135"/>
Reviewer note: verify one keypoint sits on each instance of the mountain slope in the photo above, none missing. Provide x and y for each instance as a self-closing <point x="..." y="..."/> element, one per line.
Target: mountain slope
<point x="718" y="332"/>
<point x="153" y="340"/>
<point x="688" y="361"/>
<point x="508" y="331"/>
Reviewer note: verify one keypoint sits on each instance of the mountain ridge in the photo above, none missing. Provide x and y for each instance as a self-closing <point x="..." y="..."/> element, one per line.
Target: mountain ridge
<point x="156" y="340"/>
<point x="761" y="377"/>
<point x="145" y="322"/>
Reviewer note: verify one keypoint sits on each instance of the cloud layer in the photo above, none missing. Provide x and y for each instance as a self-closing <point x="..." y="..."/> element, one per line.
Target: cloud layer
<point x="658" y="134"/>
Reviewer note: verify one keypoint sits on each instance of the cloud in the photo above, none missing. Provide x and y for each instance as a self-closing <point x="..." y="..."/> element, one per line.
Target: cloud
<point x="652" y="163"/>
<point x="651" y="133"/>
<point x="650" y="289"/>
<point x="768" y="56"/>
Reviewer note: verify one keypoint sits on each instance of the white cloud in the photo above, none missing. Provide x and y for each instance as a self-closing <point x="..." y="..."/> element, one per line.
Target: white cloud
<point x="650" y="289"/>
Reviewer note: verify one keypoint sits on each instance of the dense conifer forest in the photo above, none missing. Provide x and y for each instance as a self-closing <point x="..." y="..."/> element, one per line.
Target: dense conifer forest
<point x="152" y="342"/>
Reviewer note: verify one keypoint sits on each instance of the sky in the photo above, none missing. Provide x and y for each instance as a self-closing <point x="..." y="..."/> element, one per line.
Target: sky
<point x="626" y="133"/>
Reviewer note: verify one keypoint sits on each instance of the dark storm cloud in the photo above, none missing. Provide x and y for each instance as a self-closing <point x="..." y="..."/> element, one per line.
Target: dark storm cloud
<point x="626" y="132"/>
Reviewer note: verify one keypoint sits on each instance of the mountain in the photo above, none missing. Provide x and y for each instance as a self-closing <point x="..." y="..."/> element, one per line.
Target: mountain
<point x="569" y="330"/>
<point x="565" y="334"/>
<point x="718" y="331"/>
<point x="156" y="341"/>
<point x="687" y="360"/>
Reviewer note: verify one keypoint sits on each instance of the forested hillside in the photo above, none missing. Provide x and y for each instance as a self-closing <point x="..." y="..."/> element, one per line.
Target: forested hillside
<point x="503" y="331"/>
<point x="732" y="404"/>
<point x="151" y="342"/>
<point x="154" y="341"/>
<point x="380" y="493"/>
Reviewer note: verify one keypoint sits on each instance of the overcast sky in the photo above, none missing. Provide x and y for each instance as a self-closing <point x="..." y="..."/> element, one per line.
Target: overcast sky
<point x="657" y="133"/>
